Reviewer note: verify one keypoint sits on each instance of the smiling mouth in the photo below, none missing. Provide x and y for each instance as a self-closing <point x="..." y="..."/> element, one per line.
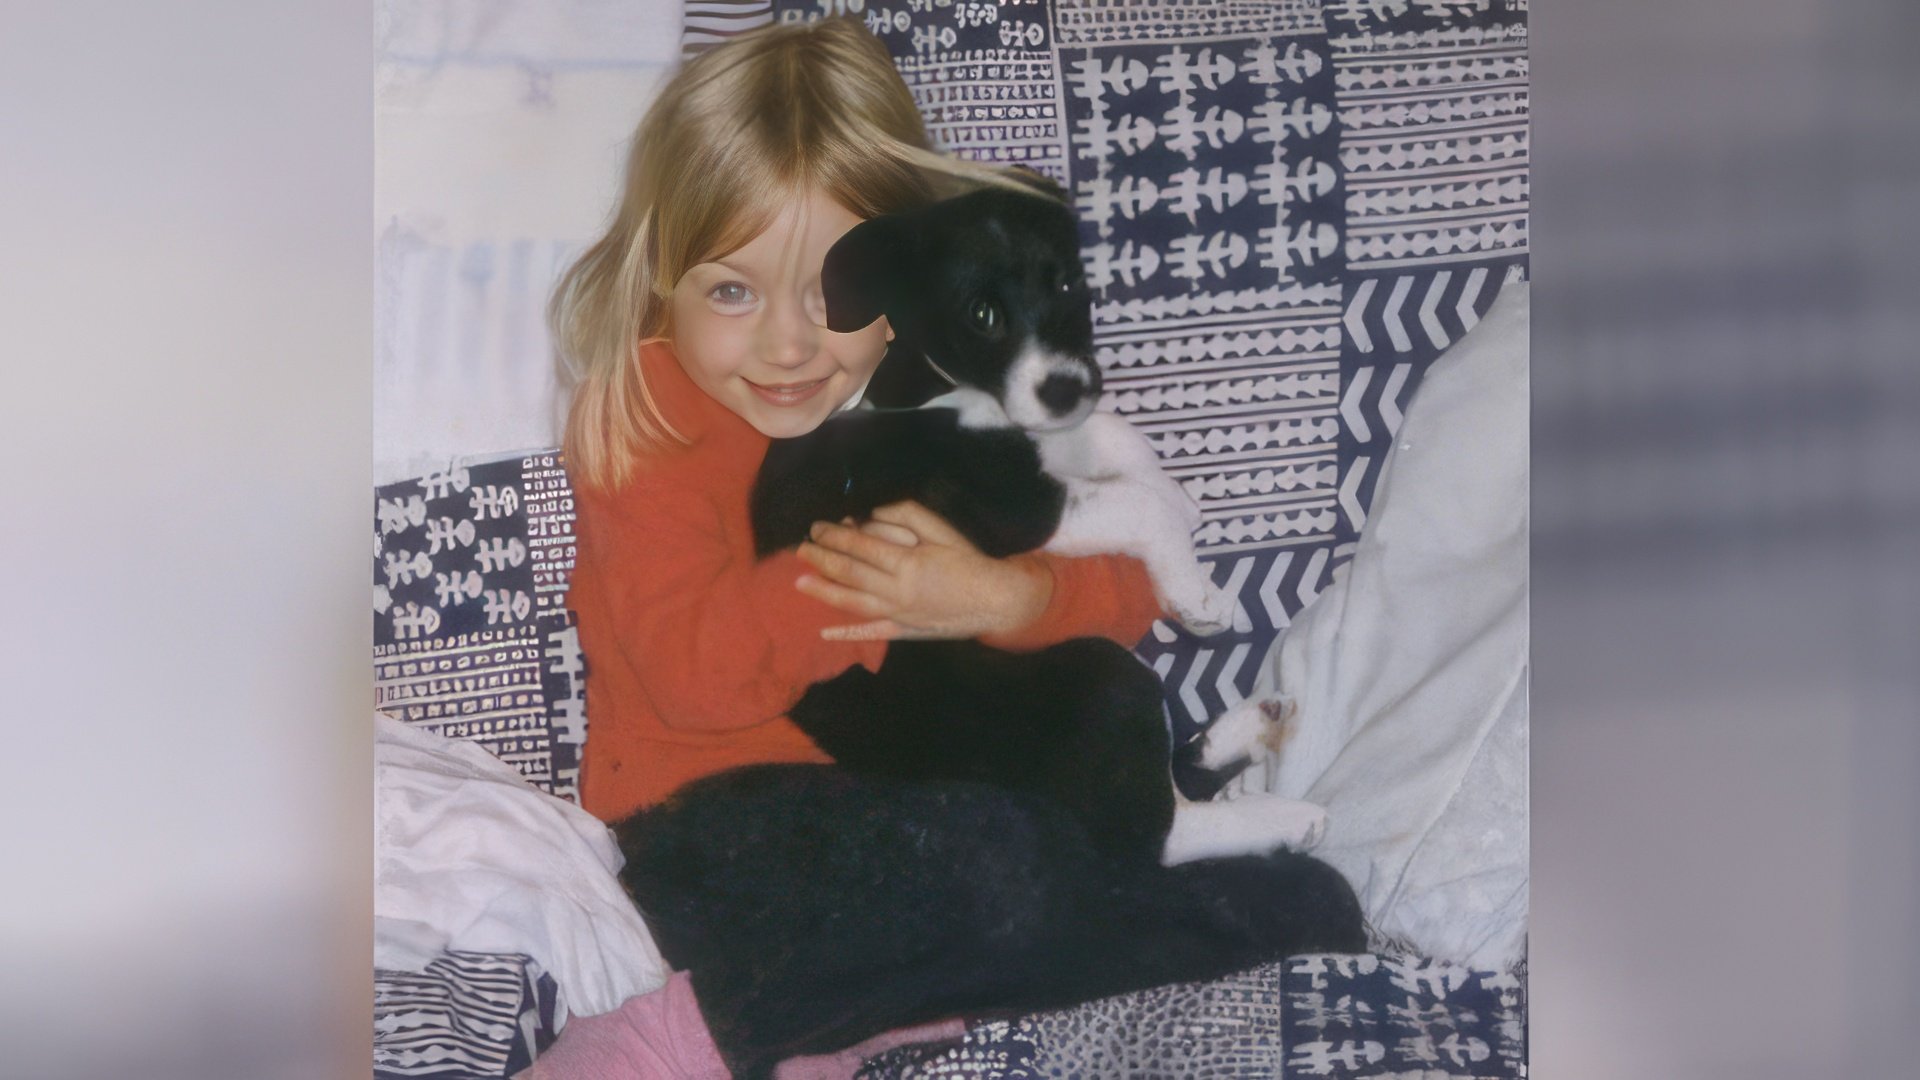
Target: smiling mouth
<point x="787" y="393"/>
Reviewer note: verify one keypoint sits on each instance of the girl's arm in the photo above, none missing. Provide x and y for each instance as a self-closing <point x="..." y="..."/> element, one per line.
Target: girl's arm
<point x="913" y="575"/>
<point x="718" y="642"/>
<point x="1107" y="596"/>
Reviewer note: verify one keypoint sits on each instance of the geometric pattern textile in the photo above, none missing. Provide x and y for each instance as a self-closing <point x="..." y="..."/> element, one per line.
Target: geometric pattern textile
<point x="467" y="1015"/>
<point x="1385" y="1017"/>
<point x="472" y="638"/>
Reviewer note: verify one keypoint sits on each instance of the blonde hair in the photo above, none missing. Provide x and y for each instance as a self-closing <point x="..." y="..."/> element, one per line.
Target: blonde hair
<point x="735" y="134"/>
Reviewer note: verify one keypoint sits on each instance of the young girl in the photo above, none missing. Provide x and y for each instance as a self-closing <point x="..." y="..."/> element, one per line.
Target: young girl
<point x="695" y="329"/>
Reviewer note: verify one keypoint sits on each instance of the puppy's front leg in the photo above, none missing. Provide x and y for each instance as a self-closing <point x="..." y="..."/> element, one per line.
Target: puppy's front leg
<point x="1122" y="517"/>
<point x="1121" y="501"/>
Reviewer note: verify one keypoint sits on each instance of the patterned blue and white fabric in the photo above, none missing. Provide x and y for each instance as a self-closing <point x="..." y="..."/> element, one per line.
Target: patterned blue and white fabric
<point x="472" y="637"/>
<point x="1342" y="1017"/>
<point x="1288" y="209"/>
<point x="468" y="1015"/>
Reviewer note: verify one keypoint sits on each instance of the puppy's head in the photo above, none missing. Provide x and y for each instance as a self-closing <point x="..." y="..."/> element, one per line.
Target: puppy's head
<point x="986" y="291"/>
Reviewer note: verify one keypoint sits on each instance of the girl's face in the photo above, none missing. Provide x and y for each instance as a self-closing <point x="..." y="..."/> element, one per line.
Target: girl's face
<point x="750" y="326"/>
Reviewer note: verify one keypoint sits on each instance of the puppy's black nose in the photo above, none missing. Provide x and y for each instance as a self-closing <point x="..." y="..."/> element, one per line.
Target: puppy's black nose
<point x="1062" y="394"/>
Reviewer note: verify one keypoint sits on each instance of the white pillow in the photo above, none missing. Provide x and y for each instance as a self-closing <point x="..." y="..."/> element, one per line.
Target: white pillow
<point x="1409" y="670"/>
<point x="467" y="855"/>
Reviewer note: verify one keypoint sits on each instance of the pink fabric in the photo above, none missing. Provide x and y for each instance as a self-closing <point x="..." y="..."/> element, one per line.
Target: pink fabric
<point x="657" y="1036"/>
<point x="661" y="1036"/>
<point x="843" y="1065"/>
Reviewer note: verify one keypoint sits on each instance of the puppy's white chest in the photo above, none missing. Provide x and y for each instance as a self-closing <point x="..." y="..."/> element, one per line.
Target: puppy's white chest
<point x="1114" y="482"/>
<point x="1119" y="502"/>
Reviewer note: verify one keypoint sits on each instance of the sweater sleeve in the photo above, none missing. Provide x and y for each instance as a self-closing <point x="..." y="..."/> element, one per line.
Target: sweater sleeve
<point x="1107" y="596"/>
<point x="718" y="642"/>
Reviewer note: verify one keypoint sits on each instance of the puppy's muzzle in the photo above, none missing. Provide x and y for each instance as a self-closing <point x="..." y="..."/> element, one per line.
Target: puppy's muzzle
<point x="1063" y="394"/>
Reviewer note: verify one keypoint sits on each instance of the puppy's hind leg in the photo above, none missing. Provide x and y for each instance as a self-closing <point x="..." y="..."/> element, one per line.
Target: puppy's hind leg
<point x="1249" y="825"/>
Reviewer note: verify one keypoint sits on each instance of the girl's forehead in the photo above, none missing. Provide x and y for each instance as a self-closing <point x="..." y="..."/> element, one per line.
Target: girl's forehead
<point x="797" y="230"/>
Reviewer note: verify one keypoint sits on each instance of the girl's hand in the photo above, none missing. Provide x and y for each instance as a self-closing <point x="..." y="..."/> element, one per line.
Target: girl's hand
<point x="912" y="575"/>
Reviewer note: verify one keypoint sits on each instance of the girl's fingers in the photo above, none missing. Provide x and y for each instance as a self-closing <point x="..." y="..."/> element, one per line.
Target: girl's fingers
<point x="877" y="630"/>
<point x="892" y="534"/>
<point x="851" y="601"/>
<point x="843" y="569"/>
<point x="853" y="543"/>
<point x="927" y="525"/>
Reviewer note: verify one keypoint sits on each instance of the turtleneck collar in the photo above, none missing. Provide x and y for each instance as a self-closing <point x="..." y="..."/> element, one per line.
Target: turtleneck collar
<point x="686" y="407"/>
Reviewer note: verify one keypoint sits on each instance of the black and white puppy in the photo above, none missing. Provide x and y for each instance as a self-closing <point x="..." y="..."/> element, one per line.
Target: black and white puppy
<point x="999" y="834"/>
<point x="993" y="322"/>
<point x="985" y="413"/>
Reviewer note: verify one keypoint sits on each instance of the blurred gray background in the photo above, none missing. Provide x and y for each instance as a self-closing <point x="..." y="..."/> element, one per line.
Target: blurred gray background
<point x="1727" y="742"/>
<point x="1726" y="461"/>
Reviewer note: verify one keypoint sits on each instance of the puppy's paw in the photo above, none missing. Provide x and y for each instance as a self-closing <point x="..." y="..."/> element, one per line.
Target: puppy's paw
<point x="1279" y="714"/>
<point x="1254" y="730"/>
<point x="1209" y="613"/>
<point x="1299" y="826"/>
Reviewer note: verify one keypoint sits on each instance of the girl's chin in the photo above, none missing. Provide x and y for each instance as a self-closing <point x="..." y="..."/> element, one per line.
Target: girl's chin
<point x="787" y="423"/>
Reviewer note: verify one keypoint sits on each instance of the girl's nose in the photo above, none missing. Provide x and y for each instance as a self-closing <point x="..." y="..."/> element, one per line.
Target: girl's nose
<point x="792" y="337"/>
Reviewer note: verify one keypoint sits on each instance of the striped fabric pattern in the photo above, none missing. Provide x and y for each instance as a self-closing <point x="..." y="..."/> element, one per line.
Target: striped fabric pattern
<point x="709" y="22"/>
<point x="468" y="1014"/>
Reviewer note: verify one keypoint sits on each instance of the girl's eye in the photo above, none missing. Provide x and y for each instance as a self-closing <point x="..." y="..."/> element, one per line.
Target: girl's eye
<point x="984" y="316"/>
<point x="732" y="294"/>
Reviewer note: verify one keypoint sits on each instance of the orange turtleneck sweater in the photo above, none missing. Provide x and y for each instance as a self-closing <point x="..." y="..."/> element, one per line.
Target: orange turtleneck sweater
<point x="695" y="650"/>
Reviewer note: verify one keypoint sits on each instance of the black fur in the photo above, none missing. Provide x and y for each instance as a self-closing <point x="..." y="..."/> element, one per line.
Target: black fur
<point x="989" y="484"/>
<point x="990" y="836"/>
<point x="817" y="906"/>
<point x="928" y="271"/>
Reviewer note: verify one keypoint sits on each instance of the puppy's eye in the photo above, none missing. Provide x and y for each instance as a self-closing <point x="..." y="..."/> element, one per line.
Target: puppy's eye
<point x="984" y="316"/>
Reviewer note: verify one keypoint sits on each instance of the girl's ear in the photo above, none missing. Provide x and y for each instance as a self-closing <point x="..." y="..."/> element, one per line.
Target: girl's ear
<point x="866" y="273"/>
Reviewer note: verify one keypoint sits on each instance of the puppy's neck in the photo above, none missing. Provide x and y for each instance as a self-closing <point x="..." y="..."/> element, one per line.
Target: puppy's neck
<point x="905" y="379"/>
<point x="978" y="409"/>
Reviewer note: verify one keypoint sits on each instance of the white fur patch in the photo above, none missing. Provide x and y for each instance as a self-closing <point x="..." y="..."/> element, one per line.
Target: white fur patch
<point x="1030" y="369"/>
<point x="1252" y="730"/>
<point x="1120" y="501"/>
<point x="978" y="410"/>
<point x="1249" y="825"/>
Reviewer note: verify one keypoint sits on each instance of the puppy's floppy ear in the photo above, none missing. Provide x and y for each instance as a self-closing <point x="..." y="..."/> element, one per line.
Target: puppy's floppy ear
<point x="865" y="273"/>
